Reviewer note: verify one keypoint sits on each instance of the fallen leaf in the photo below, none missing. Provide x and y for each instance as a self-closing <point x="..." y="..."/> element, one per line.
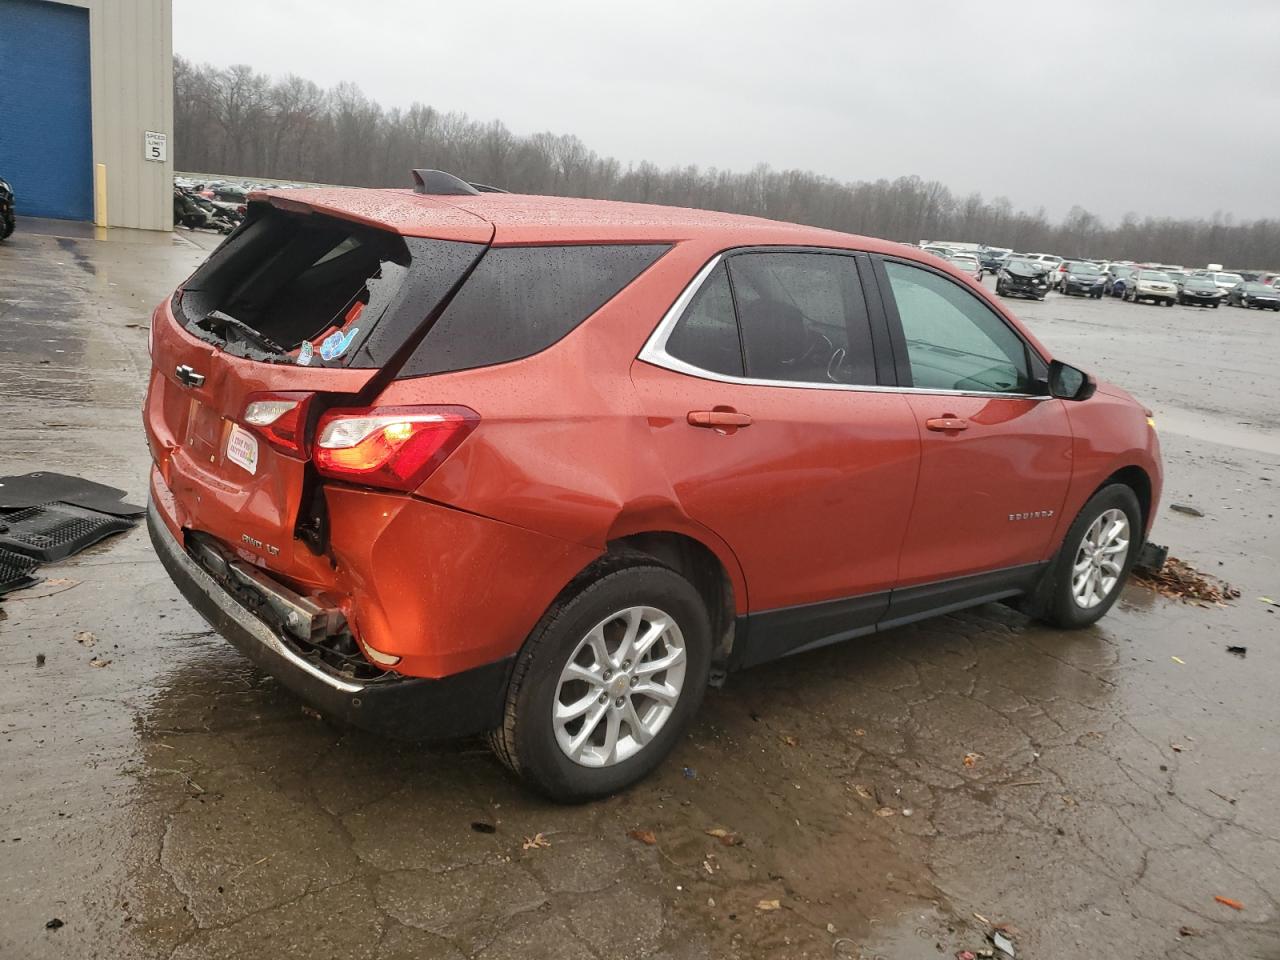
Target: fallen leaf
<point x="85" y="638"/>
<point x="768" y="905"/>
<point x="1178" y="660"/>
<point x="885" y="812"/>
<point x="724" y="836"/>
<point x="1175" y="747"/>
<point x="535" y="842"/>
<point x="970" y="759"/>
<point x="1228" y="902"/>
<point x="1178" y="580"/>
<point x="859" y="732"/>
<point x="790" y="741"/>
<point x="96" y="662"/>
<point x="647" y="837"/>
<point x="1185" y="931"/>
<point x="862" y="791"/>
<point x="311" y="712"/>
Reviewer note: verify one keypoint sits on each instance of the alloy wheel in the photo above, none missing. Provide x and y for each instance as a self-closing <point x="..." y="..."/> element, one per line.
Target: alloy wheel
<point x="619" y="687"/>
<point x="1100" y="559"/>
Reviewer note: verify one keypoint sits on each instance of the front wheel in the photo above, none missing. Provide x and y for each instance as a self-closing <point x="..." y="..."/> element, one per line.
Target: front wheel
<point x="606" y="683"/>
<point x="1085" y="578"/>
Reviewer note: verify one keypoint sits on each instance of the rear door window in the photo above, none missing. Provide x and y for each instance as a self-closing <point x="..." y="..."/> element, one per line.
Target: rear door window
<point x="521" y="300"/>
<point x="802" y="318"/>
<point x="706" y="335"/>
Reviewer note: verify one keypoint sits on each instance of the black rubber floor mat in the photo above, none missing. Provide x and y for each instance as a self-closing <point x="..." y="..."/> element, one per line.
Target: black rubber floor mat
<point x="15" y="571"/>
<point x="33" y="489"/>
<point x="55" y="531"/>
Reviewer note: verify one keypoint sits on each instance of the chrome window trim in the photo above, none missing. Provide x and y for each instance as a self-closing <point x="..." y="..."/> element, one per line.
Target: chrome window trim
<point x="654" y="352"/>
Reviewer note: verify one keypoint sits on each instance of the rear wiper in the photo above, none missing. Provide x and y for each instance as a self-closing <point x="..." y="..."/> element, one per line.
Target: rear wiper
<point x="215" y="321"/>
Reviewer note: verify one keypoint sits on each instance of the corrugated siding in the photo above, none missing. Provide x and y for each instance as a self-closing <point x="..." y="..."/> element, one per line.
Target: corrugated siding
<point x="131" y="44"/>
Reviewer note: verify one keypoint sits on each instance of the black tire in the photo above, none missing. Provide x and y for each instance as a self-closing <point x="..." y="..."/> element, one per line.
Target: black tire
<point x="1053" y="601"/>
<point x="526" y="742"/>
<point x="1215" y="306"/>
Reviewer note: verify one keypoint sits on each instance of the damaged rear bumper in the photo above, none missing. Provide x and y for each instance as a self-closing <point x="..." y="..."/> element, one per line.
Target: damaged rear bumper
<point x="409" y="708"/>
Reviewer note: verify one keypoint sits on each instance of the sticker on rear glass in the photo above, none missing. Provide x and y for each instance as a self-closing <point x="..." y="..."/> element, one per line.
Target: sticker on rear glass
<point x="305" y="353"/>
<point x="335" y="345"/>
<point x="242" y="448"/>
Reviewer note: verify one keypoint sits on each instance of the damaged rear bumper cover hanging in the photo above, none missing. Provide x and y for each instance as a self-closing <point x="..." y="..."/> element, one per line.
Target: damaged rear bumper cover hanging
<point x="406" y="708"/>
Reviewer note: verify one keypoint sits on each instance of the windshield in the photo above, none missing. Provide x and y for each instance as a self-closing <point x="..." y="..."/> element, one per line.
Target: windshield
<point x="1024" y="265"/>
<point x="1153" y="275"/>
<point x="1228" y="278"/>
<point x="1054" y="260"/>
<point x="1122" y="271"/>
<point x="1258" y="288"/>
<point x="1198" y="283"/>
<point x="1085" y="269"/>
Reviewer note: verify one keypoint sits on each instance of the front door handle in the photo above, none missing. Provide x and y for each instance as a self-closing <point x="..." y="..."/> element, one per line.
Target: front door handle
<point x="718" y="418"/>
<point x="947" y="423"/>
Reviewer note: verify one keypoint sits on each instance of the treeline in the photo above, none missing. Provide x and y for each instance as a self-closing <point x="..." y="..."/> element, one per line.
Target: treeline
<point x="244" y="123"/>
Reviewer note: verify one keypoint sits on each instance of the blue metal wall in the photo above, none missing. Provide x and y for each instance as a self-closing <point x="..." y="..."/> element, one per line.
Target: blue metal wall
<point x="46" y="147"/>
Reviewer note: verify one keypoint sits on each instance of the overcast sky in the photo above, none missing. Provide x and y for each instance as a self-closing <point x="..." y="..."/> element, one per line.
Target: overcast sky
<point x="1164" y="108"/>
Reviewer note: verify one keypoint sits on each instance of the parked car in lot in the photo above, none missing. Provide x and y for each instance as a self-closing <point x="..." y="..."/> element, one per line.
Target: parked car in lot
<point x="1224" y="281"/>
<point x="1199" y="292"/>
<point x="1022" y="278"/>
<point x="1151" y="285"/>
<point x="946" y="253"/>
<point x="1082" y="278"/>
<point x="1049" y="261"/>
<point x="993" y="258"/>
<point x="1254" y="294"/>
<point x="1117" y="279"/>
<point x="446" y="462"/>
<point x="967" y="264"/>
<point x="7" y="220"/>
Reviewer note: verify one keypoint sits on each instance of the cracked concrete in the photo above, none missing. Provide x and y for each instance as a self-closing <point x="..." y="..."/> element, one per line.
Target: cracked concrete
<point x="178" y="804"/>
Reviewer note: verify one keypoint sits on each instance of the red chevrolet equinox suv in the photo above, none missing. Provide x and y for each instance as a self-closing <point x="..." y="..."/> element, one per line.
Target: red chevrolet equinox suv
<point x="448" y="461"/>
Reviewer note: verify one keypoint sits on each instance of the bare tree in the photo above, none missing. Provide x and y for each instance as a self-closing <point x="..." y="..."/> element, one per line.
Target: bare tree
<point x="237" y="122"/>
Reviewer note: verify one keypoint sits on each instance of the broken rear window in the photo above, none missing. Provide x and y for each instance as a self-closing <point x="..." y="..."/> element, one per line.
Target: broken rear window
<point x="319" y="291"/>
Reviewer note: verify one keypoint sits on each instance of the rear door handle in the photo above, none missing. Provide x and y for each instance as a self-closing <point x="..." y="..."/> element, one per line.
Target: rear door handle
<point x="718" y="418"/>
<point x="947" y="423"/>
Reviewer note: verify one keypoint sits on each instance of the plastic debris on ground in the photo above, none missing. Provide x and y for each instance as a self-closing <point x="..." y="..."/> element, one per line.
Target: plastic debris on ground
<point x="47" y="517"/>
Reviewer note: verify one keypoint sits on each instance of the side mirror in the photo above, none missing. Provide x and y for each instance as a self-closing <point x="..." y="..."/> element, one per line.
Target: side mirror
<point x="1069" y="383"/>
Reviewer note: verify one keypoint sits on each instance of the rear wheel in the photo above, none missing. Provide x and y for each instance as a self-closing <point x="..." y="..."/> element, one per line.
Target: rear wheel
<point x="606" y="683"/>
<point x="1085" y="578"/>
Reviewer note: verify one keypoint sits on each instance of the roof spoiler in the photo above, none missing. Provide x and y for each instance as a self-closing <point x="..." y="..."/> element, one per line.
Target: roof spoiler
<point x="439" y="183"/>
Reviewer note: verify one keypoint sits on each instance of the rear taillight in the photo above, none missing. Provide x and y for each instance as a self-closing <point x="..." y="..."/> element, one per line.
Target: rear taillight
<point x="280" y="419"/>
<point x="395" y="447"/>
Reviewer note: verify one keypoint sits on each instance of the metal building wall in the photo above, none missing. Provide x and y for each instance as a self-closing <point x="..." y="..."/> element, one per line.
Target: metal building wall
<point x="131" y="67"/>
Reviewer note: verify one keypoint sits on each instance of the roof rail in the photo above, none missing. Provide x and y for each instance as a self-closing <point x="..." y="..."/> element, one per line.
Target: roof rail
<point x="439" y="183"/>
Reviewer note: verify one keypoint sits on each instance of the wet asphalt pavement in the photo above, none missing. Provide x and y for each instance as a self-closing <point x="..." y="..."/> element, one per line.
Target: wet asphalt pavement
<point x="177" y="803"/>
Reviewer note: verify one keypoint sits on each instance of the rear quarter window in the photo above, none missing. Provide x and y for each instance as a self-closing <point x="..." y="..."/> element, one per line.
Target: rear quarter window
<point x="520" y="300"/>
